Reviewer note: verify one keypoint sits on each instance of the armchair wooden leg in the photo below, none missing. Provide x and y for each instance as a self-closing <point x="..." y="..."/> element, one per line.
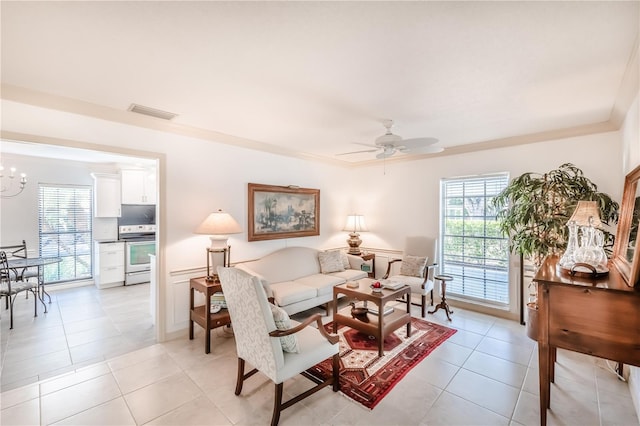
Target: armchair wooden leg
<point x="240" y="377"/>
<point x="424" y="306"/>
<point x="277" y="405"/>
<point x="336" y="373"/>
<point x="431" y="297"/>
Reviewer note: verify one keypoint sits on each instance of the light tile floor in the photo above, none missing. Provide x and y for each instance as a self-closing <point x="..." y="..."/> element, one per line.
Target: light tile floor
<point x="485" y="374"/>
<point x="83" y="326"/>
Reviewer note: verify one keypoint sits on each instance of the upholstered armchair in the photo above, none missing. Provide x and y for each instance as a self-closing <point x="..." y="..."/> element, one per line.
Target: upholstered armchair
<point x="416" y="268"/>
<point x="273" y="344"/>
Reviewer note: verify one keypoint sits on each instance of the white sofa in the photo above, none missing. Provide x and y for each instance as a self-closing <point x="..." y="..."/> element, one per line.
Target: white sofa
<point x="292" y="276"/>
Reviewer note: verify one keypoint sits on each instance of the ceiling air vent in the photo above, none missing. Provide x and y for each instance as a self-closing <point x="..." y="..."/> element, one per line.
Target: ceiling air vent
<point x="152" y="112"/>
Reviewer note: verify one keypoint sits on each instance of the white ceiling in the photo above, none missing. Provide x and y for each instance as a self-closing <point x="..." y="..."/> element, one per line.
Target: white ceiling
<point x="315" y="78"/>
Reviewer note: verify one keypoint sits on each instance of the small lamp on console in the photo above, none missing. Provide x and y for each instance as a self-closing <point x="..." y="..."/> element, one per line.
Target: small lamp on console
<point x="355" y="224"/>
<point x="585" y="244"/>
<point x="218" y="225"/>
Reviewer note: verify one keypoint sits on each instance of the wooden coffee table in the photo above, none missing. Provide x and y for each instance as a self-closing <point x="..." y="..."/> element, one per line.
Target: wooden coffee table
<point x="379" y="325"/>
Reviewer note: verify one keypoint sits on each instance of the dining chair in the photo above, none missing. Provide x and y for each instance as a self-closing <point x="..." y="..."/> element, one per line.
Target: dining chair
<point x="273" y="344"/>
<point x="20" y="250"/>
<point x="9" y="288"/>
<point x="417" y="268"/>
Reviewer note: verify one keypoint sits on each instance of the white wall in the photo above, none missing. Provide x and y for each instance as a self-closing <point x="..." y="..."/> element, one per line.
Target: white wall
<point x="398" y="199"/>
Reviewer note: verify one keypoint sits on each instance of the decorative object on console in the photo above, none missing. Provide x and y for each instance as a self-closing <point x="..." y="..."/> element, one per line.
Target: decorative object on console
<point x="218" y="225"/>
<point x="6" y="188"/>
<point x="589" y="249"/>
<point x="355" y="224"/>
<point x="282" y="212"/>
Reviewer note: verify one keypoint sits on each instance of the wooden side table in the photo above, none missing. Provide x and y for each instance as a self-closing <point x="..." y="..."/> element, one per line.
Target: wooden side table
<point x="201" y="314"/>
<point x="443" y="302"/>
<point x="372" y="257"/>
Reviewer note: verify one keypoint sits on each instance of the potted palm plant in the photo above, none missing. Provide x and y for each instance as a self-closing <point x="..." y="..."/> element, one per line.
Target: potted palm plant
<point x="534" y="209"/>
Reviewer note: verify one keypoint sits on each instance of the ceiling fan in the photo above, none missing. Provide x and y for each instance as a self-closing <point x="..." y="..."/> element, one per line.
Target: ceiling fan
<point x="388" y="144"/>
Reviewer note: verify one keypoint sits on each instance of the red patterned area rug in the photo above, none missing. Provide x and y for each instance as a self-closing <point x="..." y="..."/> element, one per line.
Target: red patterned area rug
<point x="364" y="376"/>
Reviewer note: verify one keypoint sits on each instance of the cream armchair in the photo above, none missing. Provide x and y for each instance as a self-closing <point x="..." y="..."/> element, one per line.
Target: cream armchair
<point x="273" y="344"/>
<point x="416" y="268"/>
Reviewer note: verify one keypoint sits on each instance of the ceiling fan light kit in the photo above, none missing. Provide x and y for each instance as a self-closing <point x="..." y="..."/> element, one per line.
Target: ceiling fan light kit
<point x="390" y="143"/>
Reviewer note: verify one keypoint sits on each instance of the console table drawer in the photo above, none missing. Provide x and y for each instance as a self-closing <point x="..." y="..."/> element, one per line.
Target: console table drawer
<point x="600" y="325"/>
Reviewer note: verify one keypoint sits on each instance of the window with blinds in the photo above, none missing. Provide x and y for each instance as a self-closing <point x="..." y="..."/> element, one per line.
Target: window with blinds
<point x="65" y="213"/>
<point x="474" y="251"/>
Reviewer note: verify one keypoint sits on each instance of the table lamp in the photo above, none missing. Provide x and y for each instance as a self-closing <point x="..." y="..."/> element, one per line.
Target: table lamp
<point x="588" y="249"/>
<point x="355" y="224"/>
<point x="218" y="225"/>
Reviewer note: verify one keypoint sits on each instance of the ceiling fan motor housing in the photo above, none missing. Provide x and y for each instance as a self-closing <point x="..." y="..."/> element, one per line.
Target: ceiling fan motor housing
<point x="388" y="139"/>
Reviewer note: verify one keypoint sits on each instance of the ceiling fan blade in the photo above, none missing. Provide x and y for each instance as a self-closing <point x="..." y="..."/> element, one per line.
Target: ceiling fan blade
<point x="357" y="152"/>
<point x="418" y="142"/>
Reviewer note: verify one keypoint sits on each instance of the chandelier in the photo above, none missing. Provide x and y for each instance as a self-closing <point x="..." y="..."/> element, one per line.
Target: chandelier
<point x="7" y="189"/>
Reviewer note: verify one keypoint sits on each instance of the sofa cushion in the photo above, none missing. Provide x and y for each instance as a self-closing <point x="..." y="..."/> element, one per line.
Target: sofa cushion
<point x="413" y="266"/>
<point x="345" y="260"/>
<point x="321" y="282"/>
<point x="288" y="292"/>
<point x="350" y="274"/>
<point x="283" y="322"/>
<point x="330" y="261"/>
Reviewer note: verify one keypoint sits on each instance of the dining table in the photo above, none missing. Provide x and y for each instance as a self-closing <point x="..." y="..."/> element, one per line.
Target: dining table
<point x="19" y="263"/>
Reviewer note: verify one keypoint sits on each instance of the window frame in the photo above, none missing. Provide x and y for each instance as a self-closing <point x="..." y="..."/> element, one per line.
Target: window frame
<point x="77" y="254"/>
<point x="492" y="270"/>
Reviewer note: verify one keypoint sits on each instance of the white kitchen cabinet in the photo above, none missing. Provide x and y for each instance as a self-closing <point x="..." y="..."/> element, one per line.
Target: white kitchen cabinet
<point x="109" y="264"/>
<point x="106" y="195"/>
<point x="139" y="186"/>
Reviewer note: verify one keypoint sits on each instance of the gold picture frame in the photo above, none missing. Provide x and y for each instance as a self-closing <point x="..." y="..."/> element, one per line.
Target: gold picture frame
<point x="626" y="251"/>
<point x="282" y="212"/>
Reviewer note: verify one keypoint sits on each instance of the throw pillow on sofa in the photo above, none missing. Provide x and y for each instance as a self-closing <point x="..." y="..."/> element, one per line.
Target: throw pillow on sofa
<point x="283" y="322"/>
<point x="345" y="260"/>
<point x="330" y="261"/>
<point x="413" y="266"/>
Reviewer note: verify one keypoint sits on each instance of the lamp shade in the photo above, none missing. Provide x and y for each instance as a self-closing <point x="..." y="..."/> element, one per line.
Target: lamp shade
<point x="587" y="213"/>
<point x="355" y="223"/>
<point x="219" y="225"/>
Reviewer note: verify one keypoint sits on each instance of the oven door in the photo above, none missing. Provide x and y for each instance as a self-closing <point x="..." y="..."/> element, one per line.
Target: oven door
<point x="137" y="255"/>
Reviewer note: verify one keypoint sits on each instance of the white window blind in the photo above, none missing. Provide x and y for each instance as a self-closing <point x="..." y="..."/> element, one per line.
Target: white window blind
<point x="65" y="213"/>
<point x="474" y="251"/>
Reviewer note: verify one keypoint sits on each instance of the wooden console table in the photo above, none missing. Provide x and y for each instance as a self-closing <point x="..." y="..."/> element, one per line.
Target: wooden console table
<point x="201" y="314"/>
<point x="599" y="317"/>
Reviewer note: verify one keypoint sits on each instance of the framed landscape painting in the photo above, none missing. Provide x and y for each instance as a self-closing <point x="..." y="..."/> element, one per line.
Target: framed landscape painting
<point x="282" y="212"/>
